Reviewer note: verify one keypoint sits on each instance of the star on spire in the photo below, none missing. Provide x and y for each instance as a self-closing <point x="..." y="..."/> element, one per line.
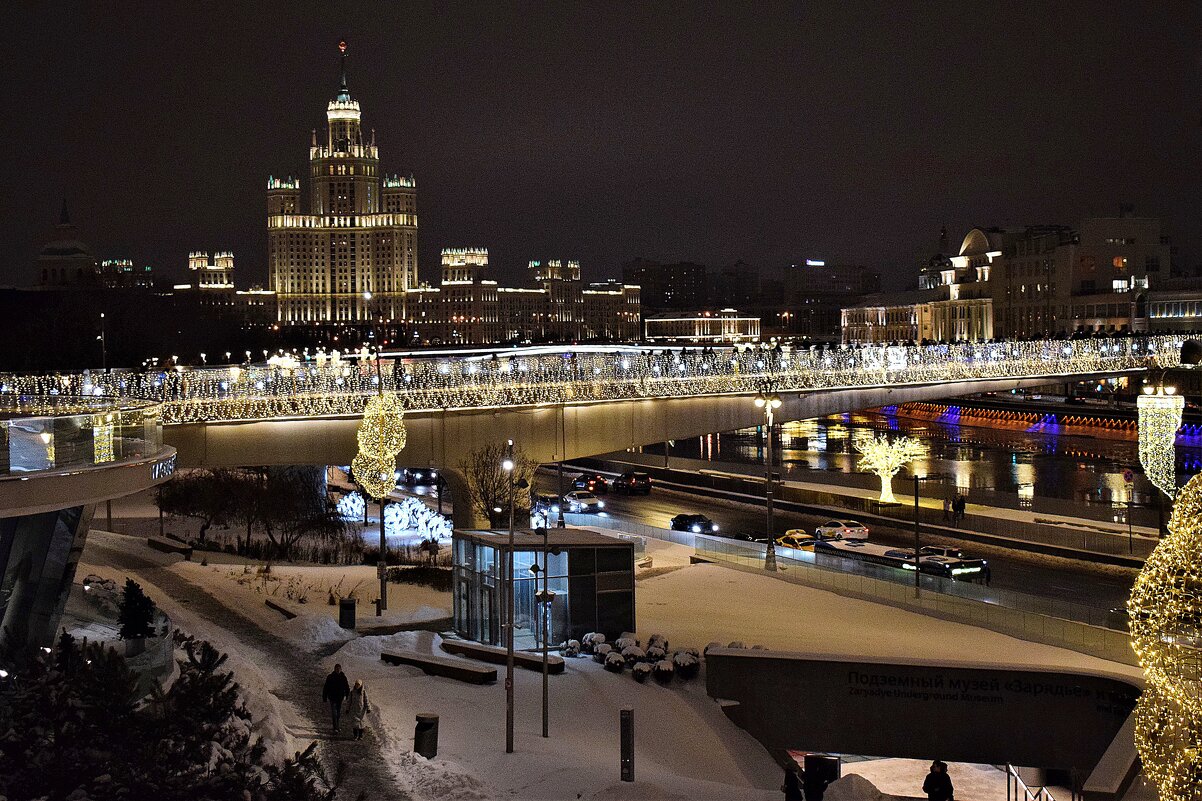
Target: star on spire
<point x="343" y="92"/>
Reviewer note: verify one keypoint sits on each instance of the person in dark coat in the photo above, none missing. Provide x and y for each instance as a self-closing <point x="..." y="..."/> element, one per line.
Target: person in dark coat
<point x="938" y="785"/>
<point x="792" y="786"/>
<point x="335" y="692"/>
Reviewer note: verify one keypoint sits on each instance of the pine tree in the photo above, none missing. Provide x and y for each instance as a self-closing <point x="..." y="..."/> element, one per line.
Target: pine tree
<point x="136" y="615"/>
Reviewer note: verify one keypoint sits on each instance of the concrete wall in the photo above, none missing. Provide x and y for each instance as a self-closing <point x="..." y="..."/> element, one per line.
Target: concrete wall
<point x="990" y="715"/>
<point x="443" y="438"/>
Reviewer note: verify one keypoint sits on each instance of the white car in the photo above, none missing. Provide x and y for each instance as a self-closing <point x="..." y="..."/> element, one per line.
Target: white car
<point x="582" y="502"/>
<point x="845" y="529"/>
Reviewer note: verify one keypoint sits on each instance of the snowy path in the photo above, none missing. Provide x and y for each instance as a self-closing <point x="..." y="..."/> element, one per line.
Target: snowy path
<point x="301" y="675"/>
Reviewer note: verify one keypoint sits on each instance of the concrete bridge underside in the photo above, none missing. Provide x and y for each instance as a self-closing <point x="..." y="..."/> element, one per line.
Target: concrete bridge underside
<point x="444" y="438"/>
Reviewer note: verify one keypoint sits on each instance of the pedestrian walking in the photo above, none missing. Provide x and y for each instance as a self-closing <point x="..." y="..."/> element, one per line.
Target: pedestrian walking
<point x="947" y="507"/>
<point x="334" y="693"/>
<point x="357" y="708"/>
<point x="792" y="786"/>
<point x="988" y="574"/>
<point x="938" y="785"/>
<point x="958" y="508"/>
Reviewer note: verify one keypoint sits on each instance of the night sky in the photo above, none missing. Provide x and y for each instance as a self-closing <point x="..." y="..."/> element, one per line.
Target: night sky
<point x="762" y="132"/>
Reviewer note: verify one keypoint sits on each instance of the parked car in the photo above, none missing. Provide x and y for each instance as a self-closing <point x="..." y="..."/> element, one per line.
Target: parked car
<point x="581" y="502"/>
<point x="633" y="481"/>
<point x="698" y="524"/>
<point x="800" y="538"/>
<point x="592" y="482"/>
<point x="418" y="477"/>
<point x="846" y="529"/>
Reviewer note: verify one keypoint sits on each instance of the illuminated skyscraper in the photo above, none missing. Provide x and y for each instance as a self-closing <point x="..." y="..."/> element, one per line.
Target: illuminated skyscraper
<point x="359" y="235"/>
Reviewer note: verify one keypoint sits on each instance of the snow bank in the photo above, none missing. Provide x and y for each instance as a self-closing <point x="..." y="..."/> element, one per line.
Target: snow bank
<point x="427" y="779"/>
<point x="313" y="630"/>
<point x="854" y="787"/>
<point x="426" y="642"/>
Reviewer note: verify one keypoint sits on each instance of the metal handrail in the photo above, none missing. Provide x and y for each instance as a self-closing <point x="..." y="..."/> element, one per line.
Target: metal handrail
<point x="1015" y="783"/>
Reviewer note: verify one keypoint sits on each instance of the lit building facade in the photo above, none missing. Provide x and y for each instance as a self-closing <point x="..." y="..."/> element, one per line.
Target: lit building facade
<point x="469" y="308"/>
<point x="359" y="235"/>
<point x="707" y="328"/>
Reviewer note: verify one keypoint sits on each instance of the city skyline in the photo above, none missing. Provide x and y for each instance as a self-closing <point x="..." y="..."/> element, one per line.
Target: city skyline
<point x="668" y="132"/>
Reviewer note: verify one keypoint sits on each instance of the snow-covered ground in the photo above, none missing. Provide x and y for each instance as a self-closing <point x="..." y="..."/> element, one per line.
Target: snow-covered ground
<point x="685" y="746"/>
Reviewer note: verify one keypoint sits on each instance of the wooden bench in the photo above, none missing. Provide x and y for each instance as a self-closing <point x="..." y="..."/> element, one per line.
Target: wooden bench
<point x="458" y="669"/>
<point x="170" y="547"/>
<point x="496" y="655"/>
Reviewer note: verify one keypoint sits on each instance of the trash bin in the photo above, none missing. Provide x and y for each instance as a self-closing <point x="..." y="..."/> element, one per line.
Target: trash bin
<point x="425" y="735"/>
<point x="820" y="770"/>
<point x="346" y="613"/>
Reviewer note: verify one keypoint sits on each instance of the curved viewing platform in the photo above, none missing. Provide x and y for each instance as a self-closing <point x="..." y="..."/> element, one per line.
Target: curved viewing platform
<point x="551" y="376"/>
<point x="62" y="432"/>
<point x="69" y="450"/>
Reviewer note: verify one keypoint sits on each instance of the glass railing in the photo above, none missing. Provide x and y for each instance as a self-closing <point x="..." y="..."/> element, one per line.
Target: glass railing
<point x="61" y="432"/>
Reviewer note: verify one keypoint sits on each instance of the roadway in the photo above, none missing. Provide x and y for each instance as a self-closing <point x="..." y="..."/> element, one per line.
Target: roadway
<point x="1101" y="586"/>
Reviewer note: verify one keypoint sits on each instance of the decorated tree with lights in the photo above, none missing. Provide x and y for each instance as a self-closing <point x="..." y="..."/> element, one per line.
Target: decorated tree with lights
<point x="885" y="457"/>
<point x="1166" y="634"/>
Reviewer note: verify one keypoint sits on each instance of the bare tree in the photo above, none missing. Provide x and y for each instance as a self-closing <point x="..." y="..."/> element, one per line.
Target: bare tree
<point x="205" y="495"/>
<point x="490" y="484"/>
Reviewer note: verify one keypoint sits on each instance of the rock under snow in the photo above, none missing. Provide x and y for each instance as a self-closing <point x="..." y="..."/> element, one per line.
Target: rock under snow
<point x="314" y="630"/>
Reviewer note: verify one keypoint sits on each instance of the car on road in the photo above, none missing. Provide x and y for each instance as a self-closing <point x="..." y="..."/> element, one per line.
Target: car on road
<point x="633" y="481"/>
<point x="946" y="566"/>
<point x="592" y="482"/>
<point x="546" y="503"/>
<point x="941" y="550"/>
<point x="582" y="502"/>
<point x="418" y="477"/>
<point x="698" y="524"/>
<point x="800" y="538"/>
<point x="743" y="536"/>
<point x="846" y="529"/>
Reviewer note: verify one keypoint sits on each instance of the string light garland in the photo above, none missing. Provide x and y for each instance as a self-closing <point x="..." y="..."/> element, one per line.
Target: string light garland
<point x="381" y="437"/>
<point x="1165" y="610"/>
<point x="1160" y="413"/>
<point x="310" y="389"/>
<point x="886" y="457"/>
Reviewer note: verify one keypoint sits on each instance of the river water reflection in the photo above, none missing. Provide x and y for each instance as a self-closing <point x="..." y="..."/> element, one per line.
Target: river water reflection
<point x="1038" y="460"/>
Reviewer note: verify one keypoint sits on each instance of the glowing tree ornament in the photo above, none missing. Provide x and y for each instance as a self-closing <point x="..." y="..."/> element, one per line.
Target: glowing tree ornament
<point x="1159" y="418"/>
<point x="381" y="437"/>
<point x="1166" y="633"/>
<point x="886" y="457"/>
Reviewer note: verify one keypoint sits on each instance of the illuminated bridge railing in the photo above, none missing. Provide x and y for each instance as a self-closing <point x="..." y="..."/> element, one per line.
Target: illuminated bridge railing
<point x="513" y="379"/>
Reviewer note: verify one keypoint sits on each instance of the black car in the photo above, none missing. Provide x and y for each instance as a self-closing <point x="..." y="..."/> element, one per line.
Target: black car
<point x="632" y="482"/>
<point x="419" y="477"/>
<point x="591" y="482"/>
<point x="698" y="524"/>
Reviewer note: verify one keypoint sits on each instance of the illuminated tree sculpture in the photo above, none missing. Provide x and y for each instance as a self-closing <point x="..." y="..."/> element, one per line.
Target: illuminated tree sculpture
<point x="885" y="457"/>
<point x="1159" y="418"/>
<point x="381" y="437"/>
<point x="1166" y="633"/>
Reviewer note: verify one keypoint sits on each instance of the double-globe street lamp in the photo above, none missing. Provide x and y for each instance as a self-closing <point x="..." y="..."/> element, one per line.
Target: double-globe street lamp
<point x="769" y="401"/>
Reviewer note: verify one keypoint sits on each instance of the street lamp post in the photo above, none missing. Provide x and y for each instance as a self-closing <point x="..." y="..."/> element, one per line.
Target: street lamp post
<point x="768" y="400"/>
<point x="509" y="465"/>
<point x="104" y="351"/>
<point x="544" y="599"/>
<point x="917" y="541"/>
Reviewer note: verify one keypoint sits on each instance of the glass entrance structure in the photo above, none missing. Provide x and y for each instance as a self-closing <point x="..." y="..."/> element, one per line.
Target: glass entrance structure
<point x="589" y="574"/>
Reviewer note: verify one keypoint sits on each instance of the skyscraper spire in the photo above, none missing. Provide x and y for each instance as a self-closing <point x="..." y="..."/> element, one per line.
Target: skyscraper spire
<point x="343" y="92"/>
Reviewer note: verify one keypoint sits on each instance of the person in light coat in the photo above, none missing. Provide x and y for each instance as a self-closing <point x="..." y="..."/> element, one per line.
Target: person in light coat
<point x="357" y="708"/>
